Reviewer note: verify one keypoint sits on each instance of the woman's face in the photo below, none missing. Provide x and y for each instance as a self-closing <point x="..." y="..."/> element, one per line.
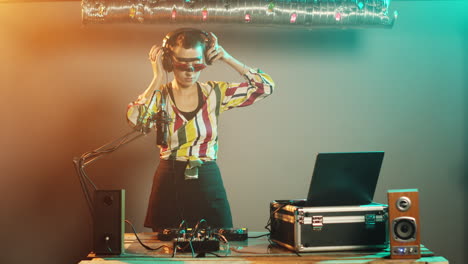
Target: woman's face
<point x="187" y="64"/>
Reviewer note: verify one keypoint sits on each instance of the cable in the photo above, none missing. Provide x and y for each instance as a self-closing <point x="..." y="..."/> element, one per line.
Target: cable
<point x="108" y="246"/>
<point x="91" y="156"/>
<point x="182" y="223"/>
<point x="249" y="252"/>
<point x="268" y="225"/>
<point x="196" y="226"/>
<point x="224" y="239"/>
<point x="195" y="233"/>
<point x="84" y="188"/>
<point x="214" y="254"/>
<point x="145" y="246"/>
<point x="267" y="234"/>
<point x="191" y="248"/>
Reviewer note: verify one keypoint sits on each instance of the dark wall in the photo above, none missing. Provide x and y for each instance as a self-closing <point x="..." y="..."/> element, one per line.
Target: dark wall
<point x="64" y="90"/>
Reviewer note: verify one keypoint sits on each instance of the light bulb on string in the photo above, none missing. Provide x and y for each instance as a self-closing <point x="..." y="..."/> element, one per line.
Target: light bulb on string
<point x="247" y="18"/>
<point x="204" y="14"/>
<point x="338" y="16"/>
<point x="271" y="6"/>
<point x="360" y="5"/>
<point x="293" y="18"/>
<point x="132" y="12"/>
<point x="173" y="14"/>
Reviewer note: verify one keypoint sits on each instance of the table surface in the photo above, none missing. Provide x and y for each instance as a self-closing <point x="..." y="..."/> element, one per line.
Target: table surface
<point x="254" y="250"/>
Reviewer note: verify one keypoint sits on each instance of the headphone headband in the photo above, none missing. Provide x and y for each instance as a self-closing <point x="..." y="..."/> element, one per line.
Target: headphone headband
<point x="176" y="32"/>
<point x="167" y="61"/>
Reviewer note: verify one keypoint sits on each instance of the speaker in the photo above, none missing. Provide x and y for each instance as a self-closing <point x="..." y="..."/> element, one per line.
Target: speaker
<point x="109" y="222"/>
<point x="404" y="224"/>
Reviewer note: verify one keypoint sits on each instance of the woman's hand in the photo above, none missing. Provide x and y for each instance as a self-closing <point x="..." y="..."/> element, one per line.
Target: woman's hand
<point x="215" y="51"/>
<point x="155" y="57"/>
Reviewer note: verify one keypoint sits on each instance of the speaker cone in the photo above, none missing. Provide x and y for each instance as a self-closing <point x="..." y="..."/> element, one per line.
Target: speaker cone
<point x="404" y="228"/>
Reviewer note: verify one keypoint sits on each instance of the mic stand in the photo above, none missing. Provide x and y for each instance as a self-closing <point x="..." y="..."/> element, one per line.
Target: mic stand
<point x="91" y="156"/>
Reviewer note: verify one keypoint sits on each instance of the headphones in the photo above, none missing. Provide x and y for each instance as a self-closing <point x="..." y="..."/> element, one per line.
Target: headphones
<point x="168" y="42"/>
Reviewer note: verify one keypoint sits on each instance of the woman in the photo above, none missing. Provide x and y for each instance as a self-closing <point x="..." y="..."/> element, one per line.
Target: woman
<point x="187" y="185"/>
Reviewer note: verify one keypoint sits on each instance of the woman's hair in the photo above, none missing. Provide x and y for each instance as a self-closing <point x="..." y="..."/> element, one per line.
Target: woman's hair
<point x="189" y="39"/>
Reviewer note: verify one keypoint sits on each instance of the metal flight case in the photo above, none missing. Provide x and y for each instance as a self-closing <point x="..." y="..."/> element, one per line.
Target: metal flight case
<point x="328" y="228"/>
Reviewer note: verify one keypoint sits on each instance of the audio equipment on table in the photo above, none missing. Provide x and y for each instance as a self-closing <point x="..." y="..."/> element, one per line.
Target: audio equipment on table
<point x="231" y="234"/>
<point x="302" y="228"/>
<point x="404" y="224"/>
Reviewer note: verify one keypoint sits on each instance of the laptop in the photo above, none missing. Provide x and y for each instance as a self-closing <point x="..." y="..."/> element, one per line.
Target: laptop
<point x="344" y="178"/>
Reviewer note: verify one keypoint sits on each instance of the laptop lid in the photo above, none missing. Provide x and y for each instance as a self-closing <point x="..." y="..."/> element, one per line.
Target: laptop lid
<point x="344" y="178"/>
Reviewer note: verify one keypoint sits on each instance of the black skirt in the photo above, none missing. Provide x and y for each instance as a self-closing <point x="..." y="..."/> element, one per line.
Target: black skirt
<point x="174" y="199"/>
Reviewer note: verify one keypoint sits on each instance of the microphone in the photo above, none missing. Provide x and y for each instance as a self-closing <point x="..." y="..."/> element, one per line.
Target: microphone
<point x="162" y="126"/>
<point x="161" y="120"/>
<point x="140" y="125"/>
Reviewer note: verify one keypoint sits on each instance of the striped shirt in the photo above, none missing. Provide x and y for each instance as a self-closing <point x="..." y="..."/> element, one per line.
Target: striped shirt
<point x="196" y="140"/>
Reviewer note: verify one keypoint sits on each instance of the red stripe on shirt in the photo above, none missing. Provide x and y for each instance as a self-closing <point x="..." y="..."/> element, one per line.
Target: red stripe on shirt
<point x="208" y="128"/>
<point x="232" y="90"/>
<point x="254" y="96"/>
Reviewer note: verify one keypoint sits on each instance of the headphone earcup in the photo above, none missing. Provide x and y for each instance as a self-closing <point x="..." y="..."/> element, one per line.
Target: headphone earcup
<point x="207" y="46"/>
<point x="166" y="61"/>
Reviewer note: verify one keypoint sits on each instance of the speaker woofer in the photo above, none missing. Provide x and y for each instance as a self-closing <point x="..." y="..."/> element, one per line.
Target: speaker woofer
<point x="404" y="229"/>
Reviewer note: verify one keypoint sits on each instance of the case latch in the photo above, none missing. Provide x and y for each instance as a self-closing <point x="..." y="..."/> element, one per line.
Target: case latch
<point x="317" y="222"/>
<point x="370" y="220"/>
<point x="300" y="216"/>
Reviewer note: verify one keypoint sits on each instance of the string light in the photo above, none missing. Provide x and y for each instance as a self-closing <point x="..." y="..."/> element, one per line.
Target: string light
<point x="313" y="12"/>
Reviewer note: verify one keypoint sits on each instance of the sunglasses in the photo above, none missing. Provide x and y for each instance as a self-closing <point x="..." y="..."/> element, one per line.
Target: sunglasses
<point x="196" y="67"/>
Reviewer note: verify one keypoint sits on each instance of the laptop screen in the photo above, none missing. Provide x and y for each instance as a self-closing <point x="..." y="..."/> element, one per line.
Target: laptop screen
<point x="344" y="178"/>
